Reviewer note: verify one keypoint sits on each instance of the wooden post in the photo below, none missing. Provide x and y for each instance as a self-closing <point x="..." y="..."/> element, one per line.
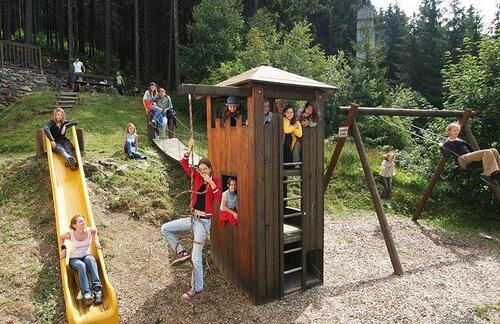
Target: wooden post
<point x="338" y="147"/>
<point x="39" y="142"/>
<point x="151" y="129"/>
<point x="1" y="54"/>
<point x="81" y="144"/>
<point x="384" y="226"/>
<point x="435" y="176"/>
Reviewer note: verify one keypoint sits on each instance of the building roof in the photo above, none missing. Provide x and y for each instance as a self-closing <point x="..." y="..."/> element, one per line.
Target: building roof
<point x="269" y="75"/>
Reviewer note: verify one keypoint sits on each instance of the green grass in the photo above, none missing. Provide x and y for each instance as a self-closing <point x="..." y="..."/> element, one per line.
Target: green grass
<point x="348" y="190"/>
<point x="484" y="311"/>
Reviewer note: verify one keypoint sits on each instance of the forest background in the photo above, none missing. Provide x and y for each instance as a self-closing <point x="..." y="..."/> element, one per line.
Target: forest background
<point x="424" y="61"/>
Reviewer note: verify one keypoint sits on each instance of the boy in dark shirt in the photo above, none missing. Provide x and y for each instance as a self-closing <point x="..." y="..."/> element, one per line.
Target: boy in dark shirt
<point x="465" y="154"/>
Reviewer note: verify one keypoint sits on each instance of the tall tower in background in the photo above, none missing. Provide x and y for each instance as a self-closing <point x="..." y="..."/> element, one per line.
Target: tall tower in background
<point x="365" y="28"/>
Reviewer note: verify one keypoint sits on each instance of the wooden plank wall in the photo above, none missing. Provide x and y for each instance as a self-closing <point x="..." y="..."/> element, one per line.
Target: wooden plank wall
<point x="267" y="201"/>
<point x="312" y="158"/>
<point x="231" y="151"/>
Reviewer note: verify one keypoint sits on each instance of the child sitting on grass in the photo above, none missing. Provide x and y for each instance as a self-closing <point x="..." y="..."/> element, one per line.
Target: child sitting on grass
<point x="130" y="143"/>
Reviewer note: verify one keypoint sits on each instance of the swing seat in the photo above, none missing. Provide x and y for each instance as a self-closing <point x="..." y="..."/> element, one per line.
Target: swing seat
<point x="473" y="165"/>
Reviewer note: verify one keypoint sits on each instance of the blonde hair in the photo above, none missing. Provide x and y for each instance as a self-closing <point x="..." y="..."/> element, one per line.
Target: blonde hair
<point x="56" y="110"/>
<point x="453" y="125"/>
<point x="388" y="155"/>
<point x="128" y="125"/>
<point x="74" y="220"/>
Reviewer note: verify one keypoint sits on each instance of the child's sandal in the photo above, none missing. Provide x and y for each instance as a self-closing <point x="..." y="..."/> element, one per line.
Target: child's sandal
<point x="191" y="294"/>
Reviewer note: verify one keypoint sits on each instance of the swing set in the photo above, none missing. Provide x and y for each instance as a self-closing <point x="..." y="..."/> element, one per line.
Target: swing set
<point x="350" y="123"/>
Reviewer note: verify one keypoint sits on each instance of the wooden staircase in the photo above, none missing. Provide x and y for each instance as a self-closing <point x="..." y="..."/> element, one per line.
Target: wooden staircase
<point x="294" y="251"/>
<point x="65" y="100"/>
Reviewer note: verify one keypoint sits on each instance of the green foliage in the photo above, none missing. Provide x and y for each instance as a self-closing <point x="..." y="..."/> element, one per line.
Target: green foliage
<point x="394" y="32"/>
<point x="474" y="83"/>
<point x="403" y="97"/>
<point x="215" y="37"/>
<point x="430" y="47"/>
<point x="388" y="131"/>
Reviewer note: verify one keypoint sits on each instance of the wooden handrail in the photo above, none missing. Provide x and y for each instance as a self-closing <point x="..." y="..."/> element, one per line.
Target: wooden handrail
<point x="20" y="54"/>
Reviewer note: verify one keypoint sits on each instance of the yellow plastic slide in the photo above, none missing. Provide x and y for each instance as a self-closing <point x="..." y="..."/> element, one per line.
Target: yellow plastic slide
<point x="70" y="194"/>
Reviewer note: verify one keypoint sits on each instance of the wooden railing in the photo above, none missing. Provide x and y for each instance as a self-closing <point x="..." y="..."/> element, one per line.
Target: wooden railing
<point x="20" y="55"/>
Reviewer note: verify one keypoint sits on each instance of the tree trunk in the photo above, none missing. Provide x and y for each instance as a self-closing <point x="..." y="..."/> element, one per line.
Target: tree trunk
<point x="146" y="38"/>
<point x="7" y="34"/>
<point x="107" y="41"/>
<point x="170" y="46"/>
<point x="137" y="66"/>
<point x="176" y="45"/>
<point x="92" y="28"/>
<point x="82" y="27"/>
<point x="28" y="21"/>
<point x="76" y="28"/>
<point x="71" y="37"/>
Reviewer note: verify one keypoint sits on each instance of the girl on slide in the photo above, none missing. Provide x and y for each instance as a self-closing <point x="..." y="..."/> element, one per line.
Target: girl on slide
<point x="55" y="130"/>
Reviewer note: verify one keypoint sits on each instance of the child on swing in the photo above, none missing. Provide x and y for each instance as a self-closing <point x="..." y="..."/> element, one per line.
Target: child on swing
<point x="206" y="191"/>
<point x="229" y="204"/>
<point x="466" y="154"/>
<point x="387" y="171"/>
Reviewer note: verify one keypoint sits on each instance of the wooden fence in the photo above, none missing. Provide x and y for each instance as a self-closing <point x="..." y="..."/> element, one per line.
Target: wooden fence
<point x="20" y="55"/>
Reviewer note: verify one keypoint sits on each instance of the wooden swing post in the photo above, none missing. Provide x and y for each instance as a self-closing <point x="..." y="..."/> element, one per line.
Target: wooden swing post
<point x="463" y="122"/>
<point x="339" y="146"/>
<point x="377" y="202"/>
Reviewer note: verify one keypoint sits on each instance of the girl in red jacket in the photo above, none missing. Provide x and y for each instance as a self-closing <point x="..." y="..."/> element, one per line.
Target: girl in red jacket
<point x="206" y="191"/>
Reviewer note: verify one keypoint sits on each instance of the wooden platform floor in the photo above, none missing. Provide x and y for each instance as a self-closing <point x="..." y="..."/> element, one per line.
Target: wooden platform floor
<point x="174" y="149"/>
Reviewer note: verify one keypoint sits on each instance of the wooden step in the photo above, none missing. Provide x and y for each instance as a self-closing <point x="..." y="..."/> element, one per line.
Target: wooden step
<point x="66" y="102"/>
<point x="292" y="172"/>
<point x="292" y="270"/>
<point x="68" y="98"/>
<point x="292" y="198"/>
<point x="65" y="106"/>
<point x="293" y="290"/>
<point x="292" y="180"/>
<point x="292" y="250"/>
<point x="293" y="215"/>
<point x="68" y="93"/>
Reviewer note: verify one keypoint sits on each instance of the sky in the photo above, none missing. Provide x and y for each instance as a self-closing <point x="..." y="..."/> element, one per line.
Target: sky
<point x="487" y="8"/>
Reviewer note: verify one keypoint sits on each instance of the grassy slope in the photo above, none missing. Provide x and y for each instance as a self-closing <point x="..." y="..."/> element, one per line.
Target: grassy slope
<point x="26" y="212"/>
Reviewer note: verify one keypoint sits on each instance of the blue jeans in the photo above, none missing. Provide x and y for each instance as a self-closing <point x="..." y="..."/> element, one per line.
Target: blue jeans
<point x="201" y="228"/>
<point x="157" y="115"/>
<point x="132" y="152"/>
<point x="82" y="265"/>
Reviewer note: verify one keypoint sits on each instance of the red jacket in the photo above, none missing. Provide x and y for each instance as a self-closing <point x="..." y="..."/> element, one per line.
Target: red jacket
<point x="210" y="196"/>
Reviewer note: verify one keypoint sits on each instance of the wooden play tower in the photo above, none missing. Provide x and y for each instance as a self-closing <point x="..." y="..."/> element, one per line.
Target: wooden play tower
<point x="277" y="247"/>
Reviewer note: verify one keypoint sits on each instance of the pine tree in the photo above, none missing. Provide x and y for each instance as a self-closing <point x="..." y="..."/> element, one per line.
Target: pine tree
<point x="430" y="42"/>
<point x="394" y="32"/>
<point x="455" y="30"/>
<point x="472" y="29"/>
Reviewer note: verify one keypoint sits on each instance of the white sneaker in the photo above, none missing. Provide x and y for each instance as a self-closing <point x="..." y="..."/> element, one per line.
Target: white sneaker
<point x="98" y="297"/>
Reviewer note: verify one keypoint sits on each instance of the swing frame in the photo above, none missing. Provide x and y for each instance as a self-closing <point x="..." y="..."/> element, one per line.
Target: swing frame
<point x="350" y="122"/>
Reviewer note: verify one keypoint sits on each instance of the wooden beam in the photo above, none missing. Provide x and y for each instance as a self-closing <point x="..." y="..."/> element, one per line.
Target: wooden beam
<point x="206" y="90"/>
<point x="338" y="147"/>
<point x="384" y="226"/>
<point x="362" y="111"/>
<point x="463" y="121"/>
<point x="290" y="93"/>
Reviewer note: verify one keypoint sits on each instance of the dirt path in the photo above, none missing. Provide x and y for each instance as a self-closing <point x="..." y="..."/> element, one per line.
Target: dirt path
<point x="446" y="277"/>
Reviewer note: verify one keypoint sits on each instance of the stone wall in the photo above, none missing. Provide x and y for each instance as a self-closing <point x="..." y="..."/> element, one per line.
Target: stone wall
<point x="16" y="83"/>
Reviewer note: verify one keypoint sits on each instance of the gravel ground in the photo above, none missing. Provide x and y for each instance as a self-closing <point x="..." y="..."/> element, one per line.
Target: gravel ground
<point x="446" y="277"/>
